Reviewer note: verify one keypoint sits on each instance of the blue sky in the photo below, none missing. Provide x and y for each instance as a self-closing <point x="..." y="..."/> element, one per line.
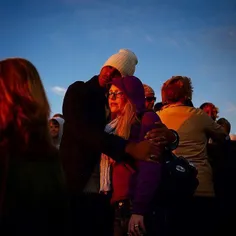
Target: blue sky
<point x="69" y="40"/>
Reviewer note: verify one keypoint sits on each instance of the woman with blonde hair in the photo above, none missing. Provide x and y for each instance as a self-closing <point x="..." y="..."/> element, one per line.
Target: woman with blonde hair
<point x="32" y="196"/>
<point x="134" y="185"/>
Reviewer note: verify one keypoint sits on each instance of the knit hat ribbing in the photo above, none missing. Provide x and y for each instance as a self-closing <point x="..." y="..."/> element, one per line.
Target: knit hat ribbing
<point x="124" y="61"/>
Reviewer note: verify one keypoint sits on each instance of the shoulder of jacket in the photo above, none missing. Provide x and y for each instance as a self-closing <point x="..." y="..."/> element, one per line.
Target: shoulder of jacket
<point x="77" y="84"/>
<point x="150" y="116"/>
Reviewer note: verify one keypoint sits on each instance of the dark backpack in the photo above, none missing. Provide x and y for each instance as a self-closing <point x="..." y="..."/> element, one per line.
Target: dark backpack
<point x="179" y="179"/>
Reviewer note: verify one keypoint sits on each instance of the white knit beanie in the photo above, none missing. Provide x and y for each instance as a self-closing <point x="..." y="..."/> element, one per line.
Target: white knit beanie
<point x="124" y="61"/>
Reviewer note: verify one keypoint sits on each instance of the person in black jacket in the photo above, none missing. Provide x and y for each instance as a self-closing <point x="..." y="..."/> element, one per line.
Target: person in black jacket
<point x="86" y="113"/>
<point x="32" y="187"/>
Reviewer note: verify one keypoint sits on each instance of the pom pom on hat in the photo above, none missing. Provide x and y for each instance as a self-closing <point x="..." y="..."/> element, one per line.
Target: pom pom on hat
<point x="124" y="61"/>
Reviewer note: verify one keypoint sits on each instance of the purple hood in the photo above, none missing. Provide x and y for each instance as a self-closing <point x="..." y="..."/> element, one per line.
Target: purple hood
<point x="132" y="87"/>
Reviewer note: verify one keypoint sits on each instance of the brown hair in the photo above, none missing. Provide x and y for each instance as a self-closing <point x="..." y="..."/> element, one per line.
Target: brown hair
<point x="24" y="105"/>
<point x="24" y="113"/>
<point x="177" y="89"/>
<point x="213" y="108"/>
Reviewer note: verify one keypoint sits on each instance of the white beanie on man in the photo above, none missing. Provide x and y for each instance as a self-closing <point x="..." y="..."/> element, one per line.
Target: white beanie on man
<point x="124" y="61"/>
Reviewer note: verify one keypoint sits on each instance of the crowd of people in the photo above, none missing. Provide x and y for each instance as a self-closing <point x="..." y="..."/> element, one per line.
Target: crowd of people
<point x="98" y="168"/>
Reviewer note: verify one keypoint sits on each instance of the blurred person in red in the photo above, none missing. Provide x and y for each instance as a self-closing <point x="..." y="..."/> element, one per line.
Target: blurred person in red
<point x="32" y="189"/>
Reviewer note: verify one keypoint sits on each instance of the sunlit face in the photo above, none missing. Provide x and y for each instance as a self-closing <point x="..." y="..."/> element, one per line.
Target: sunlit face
<point x="54" y="128"/>
<point x="106" y="74"/>
<point x="116" y="100"/>
<point x="211" y="111"/>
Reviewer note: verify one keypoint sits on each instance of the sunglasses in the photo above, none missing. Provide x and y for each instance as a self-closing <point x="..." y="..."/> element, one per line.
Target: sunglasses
<point x="150" y="99"/>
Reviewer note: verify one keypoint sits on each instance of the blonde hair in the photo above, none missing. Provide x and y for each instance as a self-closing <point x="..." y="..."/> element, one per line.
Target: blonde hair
<point x="126" y="119"/>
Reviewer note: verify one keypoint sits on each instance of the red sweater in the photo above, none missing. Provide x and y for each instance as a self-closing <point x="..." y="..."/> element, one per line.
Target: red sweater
<point x="140" y="183"/>
<point x="121" y="175"/>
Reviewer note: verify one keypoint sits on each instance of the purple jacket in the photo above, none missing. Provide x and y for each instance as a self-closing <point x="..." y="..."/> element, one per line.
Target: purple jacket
<point x="145" y="182"/>
<point x="141" y="185"/>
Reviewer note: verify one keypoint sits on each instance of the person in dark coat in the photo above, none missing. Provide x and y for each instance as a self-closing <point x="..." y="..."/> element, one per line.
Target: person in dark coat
<point x="223" y="164"/>
<point x="32" y="187"/>
<point x="86" y="114"/>
<point x="134" y="185"/>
